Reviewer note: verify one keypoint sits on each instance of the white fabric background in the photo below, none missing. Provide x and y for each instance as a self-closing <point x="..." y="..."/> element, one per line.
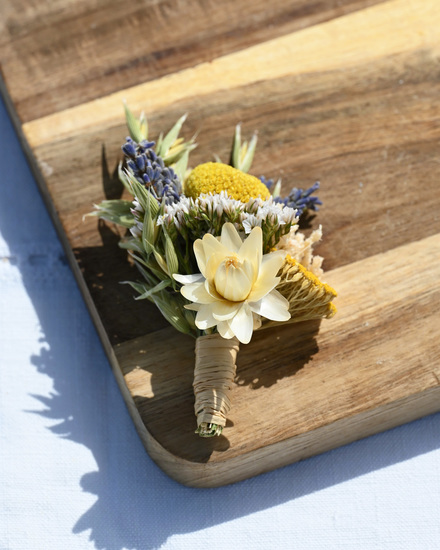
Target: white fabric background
<point x="74" y="474"/>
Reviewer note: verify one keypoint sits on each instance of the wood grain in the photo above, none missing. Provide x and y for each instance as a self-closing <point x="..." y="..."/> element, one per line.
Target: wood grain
<point x="346" y="97"/>
<point x="301" y="390"/>
<point x="332" y="126"/>
<point x="75" y="51"/>
<point x="353" y="40"/>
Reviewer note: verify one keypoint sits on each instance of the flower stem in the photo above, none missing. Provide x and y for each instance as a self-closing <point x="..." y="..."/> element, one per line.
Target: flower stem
<point x="209" y="430"/>
<point x="214" y="375"/>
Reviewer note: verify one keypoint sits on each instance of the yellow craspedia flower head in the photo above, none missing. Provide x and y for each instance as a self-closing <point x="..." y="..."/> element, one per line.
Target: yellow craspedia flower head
<point x="214" y="177"/>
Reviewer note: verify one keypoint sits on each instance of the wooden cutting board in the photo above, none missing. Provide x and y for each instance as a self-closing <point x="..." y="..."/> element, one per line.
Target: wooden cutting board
<point x="342" y="92"/>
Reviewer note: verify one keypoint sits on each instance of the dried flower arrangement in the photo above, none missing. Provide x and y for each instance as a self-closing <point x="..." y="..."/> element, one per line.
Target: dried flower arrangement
<point x="219" y="250"/>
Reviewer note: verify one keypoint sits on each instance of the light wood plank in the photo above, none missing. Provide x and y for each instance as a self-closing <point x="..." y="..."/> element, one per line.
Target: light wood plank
<point x="300" y="391"/>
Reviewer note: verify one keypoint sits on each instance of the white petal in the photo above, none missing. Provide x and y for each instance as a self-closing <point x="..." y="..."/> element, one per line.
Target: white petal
<point x="196" y="292"/>
<point x="225" y="330"/>
<point x="242" y="324"/>
<point x="188" y="279"/>
<point x="249" y="267"/>
<point x="230" y="238"/>
<point x="199" y="252"/>
<point x="204" y="318"/>
<point x="252" y="250"/>
<point x="257" y="321"/>
<point x="273" y="306"/>
<point x="273" y="262"/>
<point x="212" y="246"/>
<point x="212" y="265"/>
<point x="267" y="280"/>
<point x="192" y="307"/>
<point x="210" y="289"/>
<point x="222" y="311"/>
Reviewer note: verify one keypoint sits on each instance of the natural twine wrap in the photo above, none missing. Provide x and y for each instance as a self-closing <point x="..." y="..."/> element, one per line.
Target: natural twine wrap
<point x="213" y="380"/>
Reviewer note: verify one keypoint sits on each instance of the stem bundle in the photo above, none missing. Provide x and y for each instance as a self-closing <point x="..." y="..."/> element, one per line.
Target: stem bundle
<point x="213" y="380"/>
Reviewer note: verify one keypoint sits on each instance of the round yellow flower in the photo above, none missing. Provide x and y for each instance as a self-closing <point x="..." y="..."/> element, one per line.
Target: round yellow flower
<point x="236" y="284"/>
<point x="214" y="177"/>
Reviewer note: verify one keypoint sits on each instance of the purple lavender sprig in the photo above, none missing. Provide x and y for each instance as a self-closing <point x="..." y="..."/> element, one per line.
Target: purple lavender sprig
<point x="150" y="170"/>
<point x="299" y="199"/>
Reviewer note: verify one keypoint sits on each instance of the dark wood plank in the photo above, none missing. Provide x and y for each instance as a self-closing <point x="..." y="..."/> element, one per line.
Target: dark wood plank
<point x="55" y="55"/>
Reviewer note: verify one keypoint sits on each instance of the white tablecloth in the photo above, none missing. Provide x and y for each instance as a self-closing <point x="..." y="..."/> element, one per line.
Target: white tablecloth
<point x="74" y="474"/>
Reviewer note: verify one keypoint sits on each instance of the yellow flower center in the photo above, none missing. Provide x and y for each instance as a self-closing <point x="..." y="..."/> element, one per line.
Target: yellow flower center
<point x="214" y="177"/>
<point x="232" y="280"/>
<point x="232" y="261"/>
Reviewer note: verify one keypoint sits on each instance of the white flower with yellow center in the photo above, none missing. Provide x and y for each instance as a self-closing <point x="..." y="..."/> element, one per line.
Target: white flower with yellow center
<point x="236" y="284"/>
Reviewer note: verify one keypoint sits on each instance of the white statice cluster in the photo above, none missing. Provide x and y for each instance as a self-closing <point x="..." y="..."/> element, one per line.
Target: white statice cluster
<point x="209" y="207"/>
<point x="300" y="248"/>
<point x="209" y="212"/>
<point x="217" y="209"/>
<point x="258" y="212"/>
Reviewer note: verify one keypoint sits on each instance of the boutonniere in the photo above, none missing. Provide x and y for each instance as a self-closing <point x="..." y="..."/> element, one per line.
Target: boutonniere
<point x="219" y="252"/>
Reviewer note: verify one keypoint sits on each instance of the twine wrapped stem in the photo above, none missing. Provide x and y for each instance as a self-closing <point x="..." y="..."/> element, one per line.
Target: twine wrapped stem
<point x="213" y="380"/>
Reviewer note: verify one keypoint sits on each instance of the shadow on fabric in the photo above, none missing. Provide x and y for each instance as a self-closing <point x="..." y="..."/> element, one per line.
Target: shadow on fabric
<point x="137" y="506"/>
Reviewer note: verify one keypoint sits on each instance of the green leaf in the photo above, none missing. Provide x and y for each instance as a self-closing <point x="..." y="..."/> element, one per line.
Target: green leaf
<point x="176" y="154"/>
<point x="131" y="244"/>
<point x="157" y="271"/>
<point x="277" y="189"/>
<point x="146" y="199"/>
<point x="170" y="254"/>
<point x="161" y="262"/>
<point x="134" y="126"/>
<point x="236" y="147"/>
<point x="148" y="233"/>
<point x="242" y="154"/>
<point x="181" y="165"/>
<point x="143" y="123"/>
<point x="118" y="206"/>
<point x="136" y="189"/>
<point x="152" y="204"/>
<point x="151" y="264"/>
<point x="172" y="312"/>
<point x="140" y="288"/>
<point x="146" y="291"/>
<point x="123" y="178"/>
<point x="115" y="211"/>
<point x="148" y="294"/>
<point x="171" y="137"/>
<point x="148" y="275"/>
<point x="246" y="162"/>
<point x="118" y="220"/>
<point x="190" y="317"/>
<point x="159" y="143"/>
